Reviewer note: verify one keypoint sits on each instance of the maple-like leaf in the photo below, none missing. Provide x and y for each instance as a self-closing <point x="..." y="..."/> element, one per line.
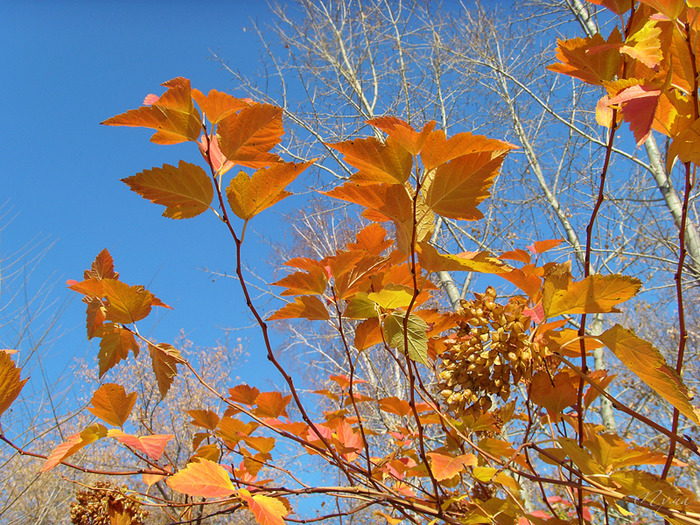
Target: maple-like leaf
<point x="359" y="306"/>
<point x="455" y="189"/>
<point x="114" y="346"/>
<point x="185" y="190"/>
<point x="272" y="404"/>
<point x="645" y="45"/>
<point x="595" y="294"/>
<point x="376" y="161"/>
<point x="391" y="201"/>
<point x="246" y="137"/>
<point x="74" y="444"/>
<point x="204" y="479"/>
<point x="482" y="262"/>
<point x="592" y="59"/>
<point x="685" y="146"/>
<point x="164" y="359"/>
<point x="218" y="105"/>
<point x="173" y="115"/>
<point x="10" y="382"/>
<point x="303" y="307"/>
<point x="391" y="297"/>
<point x="554" y="393"/>
<point x="267" y="510"/>
<point x="671" y="9"/>
<point x="619" y="7"/>
<point x="311" y="282"/>
<point x="153" y="446"/>
<point x="403" y="133"/>
<point x="126" y="304"/>
<point x="368" y="333"/>
<point x="650" y="366"/>
<point x="417" y="335"/>
<point x="439" y="150"/>
<point x="243" y="394"/>
<point x="102" y="267"/>
<point x="203" y="418"/>
<point x="639" y="103"/>
<point x="249" y="195"/>
<point x="445" y="466"/>
<point x="112" y="405"/>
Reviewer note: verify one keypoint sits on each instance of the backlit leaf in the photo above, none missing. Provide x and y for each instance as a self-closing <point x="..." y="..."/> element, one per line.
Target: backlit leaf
<point x="645" y="45"/>
<point x="417" y="335"/>
<point x="203" y="418"/>
<point x="439" y="150"/>
<point x="243" y="394"/>
<point x="368" y="333"/>
<point x="112" y="405"/>
<point x="204" y="479"/>
<point x="390" y="298"/>
<point x="73" y="445"/>
<point x="249" y="195"/>
<point x="126" y="304"/>
<point x="619" y="7"/>
<point x="272" y="404"/>
<point x="403" y="132"/>
<point x="246" y="137"/>
<point x="455" y="189"/>
<point x="595" y="294"/>
<point x="554" y="393"/>
<point x="102" y="267"/>
<point x="376" y="161"/>
<point x="185" y="190"/>
<point x="592" y="59"/>
<point x="114" y="346"/>
<point x="311" y="282"/>
<point x="482" y="262"/>
<point x="391" y="201"/>
<point x="218" y="105"/>
<point x="305" y="306"/>
<point x="639" y="103"/>
<point x="650" y="366"/>
<point x="153" y="446"/>
<point x="267" y="510"/>
<point x="685" y="146"/>
<point x="164" y="359"/>
<point x="10" y="382"/>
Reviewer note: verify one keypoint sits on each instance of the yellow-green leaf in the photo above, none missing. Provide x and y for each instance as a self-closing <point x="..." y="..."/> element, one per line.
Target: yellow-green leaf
<point x="650" y="366"/>
<point x="185" y="190"/>
<point x="417" y="335"/>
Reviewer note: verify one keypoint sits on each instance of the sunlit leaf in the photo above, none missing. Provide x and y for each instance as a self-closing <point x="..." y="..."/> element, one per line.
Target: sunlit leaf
<point x="272" y="404"/>
<point x="595" y="294"/>
<point x="391" y="201"/>
<point x="416" y="334"/>
<point x="685" y="146"/>
<point x="404" y="133"/>
<point x="112" y="405"/>
<point x="126" y="304"/>
<point x="439" y="150"/>
<point x="645" y="45"/>
<point x="153" y="446"/>
<point x="73" y="445"/>
<point x="639" y="103"/>
<point x="204" y="479"/>
<point x="243" y="394"/>
<point x="650" y="366"/>
<point x="102" y="267"/>
<point x="305" y="306"/>
<point x="218" y="105"/>
<point x="376" y="161"/>
<point x="267" y="510"/>
<point x="483" y="262"/>
<point x="249" y="195"/>
<point x="368" y="333"/>
<point x="592" y="59"/>
<point x="185" y="190"/>
<point x="114" y="346"/>
<point x="164" y="360"/>
<point x="391" y="297"/>
<point x="619" y="7"/>
<point x="203" y="418"/>
<point x="246" y="137"/>
<point x="311" y="282"/>
<point x="10" y="382"/>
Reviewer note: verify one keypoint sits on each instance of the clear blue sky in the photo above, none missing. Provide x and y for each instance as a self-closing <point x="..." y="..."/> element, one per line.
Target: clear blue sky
<point x="67" y="67"/>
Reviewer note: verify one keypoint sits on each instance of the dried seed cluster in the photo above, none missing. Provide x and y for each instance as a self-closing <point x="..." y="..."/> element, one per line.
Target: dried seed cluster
<point x="491" y="352"/>
<point x="93" y="506"/>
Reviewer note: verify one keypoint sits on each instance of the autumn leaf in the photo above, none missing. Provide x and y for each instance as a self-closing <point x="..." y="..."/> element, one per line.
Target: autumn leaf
<point x="592" y="59"/>
<point x="685" y="146"/>
<point x="153" y="446"/>
<point x="114" y="346"/>
<point x="360" y="307"/>
<point x="483" y="262"/>
<point x="218" y="105"/>
<point x="305" y="306"/>
<point x="650" y="366"/>
<point x="391" y="297"/>
<point x="391" y="201"/>
<point x="244" y="394"/>
<point x="246" y="137"/>
<point x="102" y="267"/>
<point x="111" y="404"/>
<point x="204" y="479"/>
<point x="267" y="510"/>
<point x="172" y="114"/>
<point x="10" y="382"/>
<point x="439" y="150"/>
<point x="417" y="335"/>
<point x="311" y="282"/>
<point x="272" y="405"/>
<point x="368" y="333"/>
<point x="619" y="7"/>
<point x="445" y="466"/>
<point x="645" y="45"/>
<point x="554" y="393"/>
<point x="595" y="294"/>
<point x="203" y="418"/>
<point x="403" y="133"/>
<point x="249" y="195"/>
<point x="639" y="103"/>
<point x="455" y="189"/>
<point x="164" y="359"/>
<point x="74" y="444"/>
<point x="186" y="191"/>
<point x="376" y="161"/>
<point x="126" y="304"/>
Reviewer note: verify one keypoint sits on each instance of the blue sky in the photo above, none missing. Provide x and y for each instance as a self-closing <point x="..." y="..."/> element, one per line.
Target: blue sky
<point x="67" y="67"/>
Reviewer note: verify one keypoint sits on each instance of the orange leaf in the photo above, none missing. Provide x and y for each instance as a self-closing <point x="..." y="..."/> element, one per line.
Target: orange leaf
<point x="260" y="443"/>
<point x="185" y="190"/>
<point x="590" y="59"/>
<point x="90" y="287"/>
<point x="114" y="346"/>
<point x="544" y="246"/>
<point x="173" y="115"/>
<point x="243" y="394"/>
<point x="394" y="405"/>
<point x="376" y="161"/>
<point x="685" y="146"/>
<point x="312" y="282"/>
<point x="516" y="255"/>
<point x="650" y="366"/>
<point x="102" y="267"/>
<point x="482" y="262"/>
<point x="164" y="359"/>
<point x="204" y="479"/>
<point x="390" y="200"/>
<point x="73" y="445"/>
<point x="455" y="189"/>
<point x="446" y="467"/>
<point x="595" y="294"/>
<point x="272" y="405"/>
<point x="248" y="196"/>
<point x="153" y="446"/>
<point x="246" y="137"/>
<point x="112" y="405"/>
<point x="554" y="393"/>
<point x="403" y="132"/>
<point x="439" y="150"/>
<point x="267" y="510"/>
<point x="639" y="105"/>
<point x="10" y="383"/>
<point x="619" y="7"/>
<point x="203" y="418"/>
<point x="217" y="105"/>
<point x="372" y="239"/>
<point x="232" y="430"/>
<point x="305" y="306"/>
<point x="368" y="333"/>
<point x="645" y="45"/>
<point x="126" y="304"/>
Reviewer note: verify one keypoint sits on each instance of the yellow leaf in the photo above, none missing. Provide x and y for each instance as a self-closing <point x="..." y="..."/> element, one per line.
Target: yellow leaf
<point x="482" y="262"/>
<point x="391" y="297"/>
<point x="650" y="366"/>
<point x="267" y="510"/>
<point x="185" y="191"/>
<point x="595" y="294"/>
<point x="204" y="479"/>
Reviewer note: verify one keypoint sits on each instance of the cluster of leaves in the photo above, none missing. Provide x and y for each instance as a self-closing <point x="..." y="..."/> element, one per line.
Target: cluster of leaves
<point x="480" y="460"/>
